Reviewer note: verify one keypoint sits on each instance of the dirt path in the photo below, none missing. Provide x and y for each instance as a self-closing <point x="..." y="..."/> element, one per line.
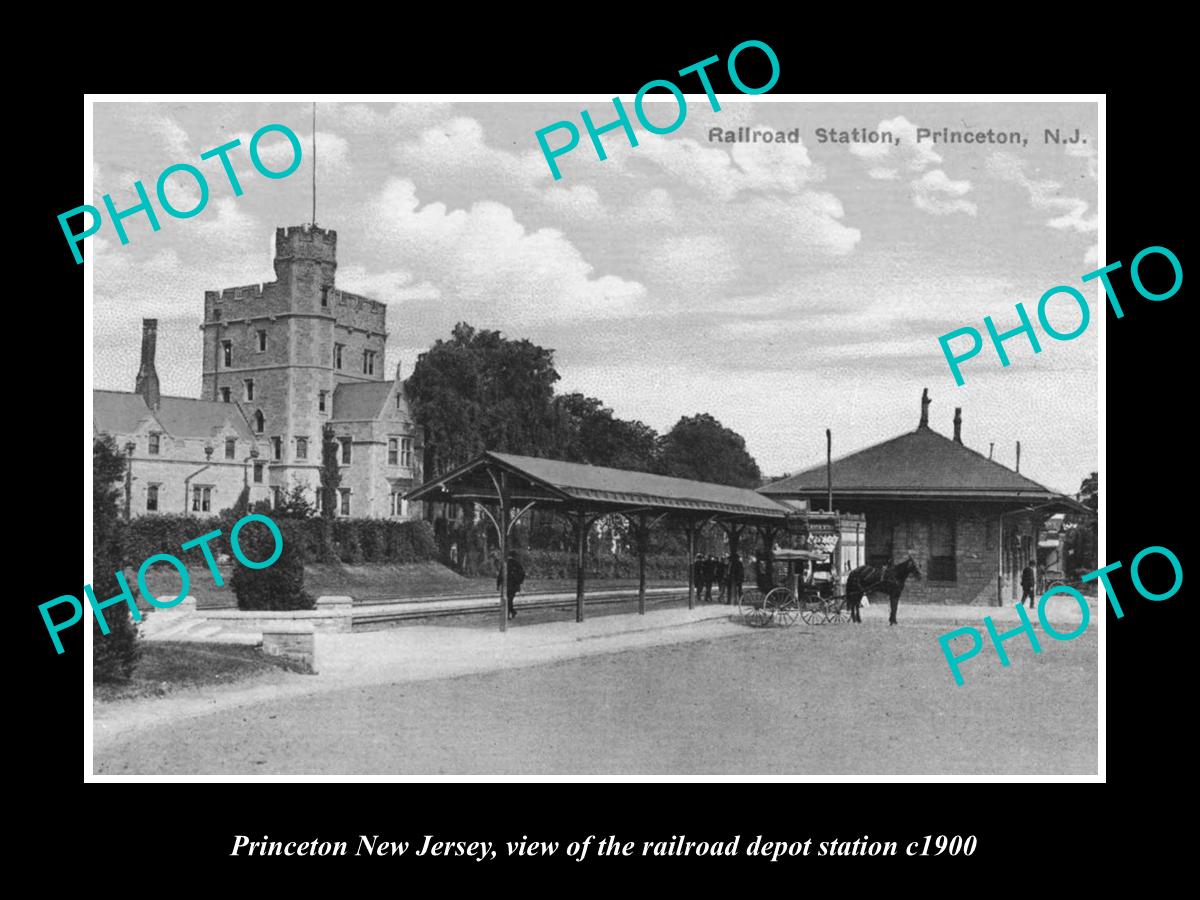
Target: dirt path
<point x="830" y="700"/>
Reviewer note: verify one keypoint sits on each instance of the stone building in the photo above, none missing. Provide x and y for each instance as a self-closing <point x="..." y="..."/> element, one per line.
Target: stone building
<point x="281" y="361"/>
<point x="970" y="523"/>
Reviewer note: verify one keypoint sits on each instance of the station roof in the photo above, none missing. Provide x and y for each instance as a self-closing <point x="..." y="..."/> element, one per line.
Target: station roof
<point x="599" y="489"/>
<point x="919" y="465"/>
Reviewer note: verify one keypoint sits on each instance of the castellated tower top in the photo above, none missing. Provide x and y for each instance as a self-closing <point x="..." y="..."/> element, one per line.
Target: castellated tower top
<point x="306" y="242"/>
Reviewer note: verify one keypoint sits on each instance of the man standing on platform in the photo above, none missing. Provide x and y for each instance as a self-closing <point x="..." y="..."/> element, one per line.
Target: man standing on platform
<point x="719" y="577"/>
<point x="698" y="575"/>
<point x="1028" y="580"/>
<point x="737" y="575"/>
<point x="516" y="577"/>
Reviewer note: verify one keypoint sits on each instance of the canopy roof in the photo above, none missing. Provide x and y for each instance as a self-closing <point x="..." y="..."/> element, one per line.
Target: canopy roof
<point x="580" y="486"/>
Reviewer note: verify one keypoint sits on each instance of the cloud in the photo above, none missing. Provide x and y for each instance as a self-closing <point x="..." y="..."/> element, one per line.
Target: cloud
<point x="888" y="160"/>
<point x="484" y="258"/>
<point x="936" y="193"/>
<point x="455" y="152"/>
<point x="1070" y="213"/>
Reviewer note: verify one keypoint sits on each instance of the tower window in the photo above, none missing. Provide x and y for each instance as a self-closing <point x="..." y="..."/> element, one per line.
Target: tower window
<point x="230" y="448"/>
<point x="368" y="362"/>
<point x="249" y="383"/>
<point x="216" y="312"/>
<point x="399" y="401"/>
<point x="226" y="395"/>
<point x="227" y="353"/>
<point x="258" y="473"/>
<point x="337" y="355"/>
<point x="262" y="340"/>
<point x="152" y="498"/>
<point x="154" y="444"/>
<point x="346" y="451"/>
<point x="393" y="452"/>
<point x="259" y="421"/>
<point x="321" y="401"/>
<point x="325" y="296"/>
<point x="301" y="448"/>
<point x="277" y="448"/>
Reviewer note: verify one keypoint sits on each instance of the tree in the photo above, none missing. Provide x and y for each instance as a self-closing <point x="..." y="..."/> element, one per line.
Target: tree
<point x="482" y="391"/>
<point x="114" y="655"/>
<point x="331" y="473"/>
<point x="588" y="432"/>
<point x="1089" y="491"/>
<point x="701" y="448"/>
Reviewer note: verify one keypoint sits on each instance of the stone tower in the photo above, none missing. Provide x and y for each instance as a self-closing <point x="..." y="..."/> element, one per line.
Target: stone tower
<point x="281" y="348"/>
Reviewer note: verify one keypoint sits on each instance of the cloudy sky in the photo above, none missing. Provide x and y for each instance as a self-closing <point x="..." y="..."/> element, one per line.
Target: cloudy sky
<point x="782" y="288"/>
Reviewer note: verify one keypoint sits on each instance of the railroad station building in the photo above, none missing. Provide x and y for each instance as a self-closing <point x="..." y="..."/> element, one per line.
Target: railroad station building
<point x="280" y="361"/>
<point x="970" y="523"/>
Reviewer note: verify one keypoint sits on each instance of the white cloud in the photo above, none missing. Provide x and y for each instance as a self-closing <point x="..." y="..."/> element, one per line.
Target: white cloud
<point x="1070" y="213"/>
<point x="455" y="152"/>
<point x="907" y="155"/>
<point x="935" y="192"/>
<point x="484" y="257"/>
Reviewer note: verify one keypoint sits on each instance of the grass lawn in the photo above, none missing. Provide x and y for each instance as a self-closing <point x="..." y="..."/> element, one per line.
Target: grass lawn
<point x="166" y="666"/>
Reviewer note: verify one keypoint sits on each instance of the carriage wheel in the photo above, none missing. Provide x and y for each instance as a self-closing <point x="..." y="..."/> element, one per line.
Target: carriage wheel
<point x="810" y="609"/>
<point x="750" y="608"/>
<point x="783" y="605"/>
<point x="835" y="611"/>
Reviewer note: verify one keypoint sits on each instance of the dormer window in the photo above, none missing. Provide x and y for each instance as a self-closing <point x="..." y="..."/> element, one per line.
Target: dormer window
<point x="154" y="444"/>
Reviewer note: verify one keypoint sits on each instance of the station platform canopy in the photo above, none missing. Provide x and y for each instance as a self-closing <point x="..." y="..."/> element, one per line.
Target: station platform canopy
<point x="578" y="486"/>
<point x="505" y="487"/>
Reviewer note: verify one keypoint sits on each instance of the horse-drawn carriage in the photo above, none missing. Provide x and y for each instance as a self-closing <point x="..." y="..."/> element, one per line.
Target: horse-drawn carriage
<point x="808" y="596"/>
<point x="807" y="592"/>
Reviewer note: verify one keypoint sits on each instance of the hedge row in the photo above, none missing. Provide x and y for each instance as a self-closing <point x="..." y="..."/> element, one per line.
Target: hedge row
<point x="555" y="564"/>
<point x="354" y="540"/>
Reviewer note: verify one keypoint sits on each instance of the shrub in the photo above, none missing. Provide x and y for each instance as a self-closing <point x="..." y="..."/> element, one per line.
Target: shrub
<point x="148" y="535"/>
<point x="114" y="655"/>
<point x="280" y="585"/>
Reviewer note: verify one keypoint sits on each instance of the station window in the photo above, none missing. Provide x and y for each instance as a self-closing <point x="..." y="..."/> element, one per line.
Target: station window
<point x="258" y="473"/>
<point x="226" y="395"/>
<point x="154" y="444"/>
<point x="321" y="401"/>
<point x="230" y="448"/>
<point x="301" y="448"/>
<point x="346" y="444"/>
<point x="345" y="505"/>
<point x="337" y="355"/>
<point x="152" y="498"/>
<point x="368" y="362"/>
<point x="262" y="339"/>
<point x="227" y="353"/>
<point x="249" y="384"/>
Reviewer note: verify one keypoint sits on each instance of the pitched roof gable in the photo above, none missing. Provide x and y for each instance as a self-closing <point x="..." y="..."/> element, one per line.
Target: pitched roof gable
<point x="360" y="400"/>
<point x="121" y="412"/>
<point x="919" y="463"/>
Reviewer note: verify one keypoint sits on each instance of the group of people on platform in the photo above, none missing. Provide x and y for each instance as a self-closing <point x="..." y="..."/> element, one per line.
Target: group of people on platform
<point x="726" y="574"/>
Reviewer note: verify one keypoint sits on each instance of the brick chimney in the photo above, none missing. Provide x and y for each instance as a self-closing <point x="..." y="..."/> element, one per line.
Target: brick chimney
<point x="925" y="401"/>
<point x="147" y="377"/>
<point x="958" y="424"/>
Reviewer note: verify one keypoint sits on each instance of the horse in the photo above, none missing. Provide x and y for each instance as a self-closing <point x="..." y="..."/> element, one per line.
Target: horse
<point x="868" y="579"/>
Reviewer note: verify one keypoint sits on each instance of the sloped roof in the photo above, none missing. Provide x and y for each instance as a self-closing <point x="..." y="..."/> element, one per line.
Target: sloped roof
<point x="122" y="412"/>
<point x="598" y="487"/>
<point x="359" y="400"/>
<point x="920" y="464"/>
